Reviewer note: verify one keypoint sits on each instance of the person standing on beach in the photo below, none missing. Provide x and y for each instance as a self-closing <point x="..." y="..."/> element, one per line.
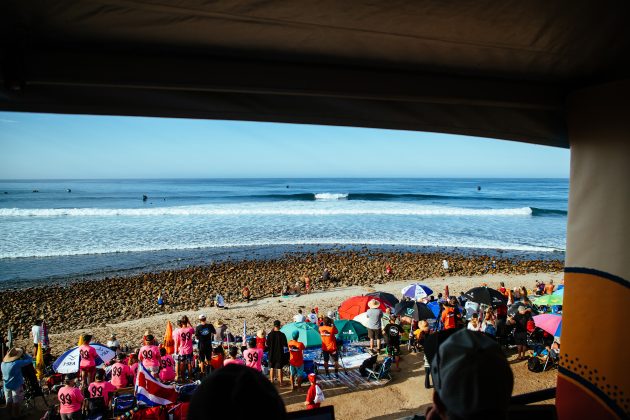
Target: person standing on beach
<point x="307" y="285"/>
<point x="70" y="400"/>
<point x="88" y="361"/>
<point x="149" y="355"/>
<point x="253" y="355"/>
<point x="296" y="361"/>
<point x="121" y="373"/>
<point x="328" y="333"/>
<point x="276" y="343"/>
<point x="205" y="333"/>
<point x="312" y="317"/>
<point x="12" y="365"/>
<point x="374" y="316"/>
<point x="183" y="337"/>
<point x="36" y="331"/>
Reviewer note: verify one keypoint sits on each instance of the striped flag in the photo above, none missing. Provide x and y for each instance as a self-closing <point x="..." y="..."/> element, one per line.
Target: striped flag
<point x="152" y="392"/>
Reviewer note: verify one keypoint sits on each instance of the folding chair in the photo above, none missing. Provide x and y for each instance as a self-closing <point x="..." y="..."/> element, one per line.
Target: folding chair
<point x="382" y="372"/>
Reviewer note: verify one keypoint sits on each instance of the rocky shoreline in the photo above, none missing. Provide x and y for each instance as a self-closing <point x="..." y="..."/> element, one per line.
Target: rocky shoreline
<point x="95" y="303"/>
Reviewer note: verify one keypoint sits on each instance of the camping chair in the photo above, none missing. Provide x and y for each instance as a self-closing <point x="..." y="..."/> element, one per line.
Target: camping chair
<point x="382" y="372"/>
<point x="553" y="359"/>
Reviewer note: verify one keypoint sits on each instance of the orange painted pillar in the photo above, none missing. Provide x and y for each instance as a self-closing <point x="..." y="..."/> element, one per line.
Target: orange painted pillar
<point x="594" y="373"/>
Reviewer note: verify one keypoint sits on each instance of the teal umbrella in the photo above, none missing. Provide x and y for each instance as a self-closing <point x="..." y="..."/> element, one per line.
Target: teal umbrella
<point x="549" y="300"/>
<point x="309" y="333"/>
<point x="350" y="330"/>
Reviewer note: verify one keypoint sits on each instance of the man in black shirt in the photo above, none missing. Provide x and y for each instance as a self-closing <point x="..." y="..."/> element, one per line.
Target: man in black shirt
<point x="276" y="343"/>
<point x="520" y="331"/>
<point x="204" y="333"/>
<point x="393" y="332"/>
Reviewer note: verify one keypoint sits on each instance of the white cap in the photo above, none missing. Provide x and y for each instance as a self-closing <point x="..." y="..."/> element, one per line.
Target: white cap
<point x="202" y="316"/>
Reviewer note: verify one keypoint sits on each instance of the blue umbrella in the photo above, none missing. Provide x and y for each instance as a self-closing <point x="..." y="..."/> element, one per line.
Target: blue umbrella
<point x="69" y="361"/>
<point x="417" y="291"/>
<point x="435" y="307"/>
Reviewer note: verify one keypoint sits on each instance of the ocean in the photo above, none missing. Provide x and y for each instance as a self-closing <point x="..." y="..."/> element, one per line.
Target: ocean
<point x="71" y="229"/>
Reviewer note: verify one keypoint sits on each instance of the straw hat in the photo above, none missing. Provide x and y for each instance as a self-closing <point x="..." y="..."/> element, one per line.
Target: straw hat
<point x="13" y="354"/>
<point x="219" y="323"/>
<point x="374" y="303"/>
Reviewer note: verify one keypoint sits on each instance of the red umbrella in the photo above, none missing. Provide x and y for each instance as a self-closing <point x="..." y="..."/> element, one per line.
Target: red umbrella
<point x="357" y="305"/>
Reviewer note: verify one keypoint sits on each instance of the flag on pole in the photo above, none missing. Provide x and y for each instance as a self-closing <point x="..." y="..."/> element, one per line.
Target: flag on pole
<point x="39" y="362"/>
<point x="244" y="332"/>
<point x="152" y="392"/>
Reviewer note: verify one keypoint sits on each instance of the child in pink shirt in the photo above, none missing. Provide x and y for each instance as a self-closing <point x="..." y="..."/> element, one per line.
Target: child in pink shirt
<point x="232" y="357"/>
<point x="149" y="355"/>
<point x="100" y="387"/>
<point x="167" y="367"/>
<point x="70" y="399"/>
<point x="253" y="355"/>
<point x="88" y="357"/>
<point x="133" y="366"/>
<point x="121" y="373"/>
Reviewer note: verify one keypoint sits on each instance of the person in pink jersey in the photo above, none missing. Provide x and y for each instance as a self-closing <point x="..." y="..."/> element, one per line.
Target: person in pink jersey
<point x="167" y="367"/>
<point x="149" y="355"/>
<point x="183" y="337"/>
<point x="133" y="366"/>
<point x="100" y="387"/>
<point x="233" y="357"/>
<point x="253" y="355"/>
<point x="121" y="373"/>
<point x="88" y="360"/>
<point x="70" y="399"/>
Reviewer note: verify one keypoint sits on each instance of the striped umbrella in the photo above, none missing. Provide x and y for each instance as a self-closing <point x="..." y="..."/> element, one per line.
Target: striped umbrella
<point x="417" y="291"/>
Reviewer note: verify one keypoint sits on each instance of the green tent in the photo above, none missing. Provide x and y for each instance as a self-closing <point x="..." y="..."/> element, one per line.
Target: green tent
<point x="309" y="333"/>
<point x="350" y="330"/>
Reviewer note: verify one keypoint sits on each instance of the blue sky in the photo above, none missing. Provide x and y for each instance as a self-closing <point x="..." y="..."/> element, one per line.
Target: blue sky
<point x="49" y="146"/>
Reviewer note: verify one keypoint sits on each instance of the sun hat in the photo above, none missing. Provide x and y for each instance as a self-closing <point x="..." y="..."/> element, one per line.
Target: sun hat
<point x="219" y="323"/>
<point x="13" y="354"/>
<point x="202" y="316"/>
<point x="471" y="375"/>
<point x="374" y="303"/>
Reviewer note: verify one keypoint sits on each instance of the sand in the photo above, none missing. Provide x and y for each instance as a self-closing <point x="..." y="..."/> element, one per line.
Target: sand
<point x="402" y="396"/>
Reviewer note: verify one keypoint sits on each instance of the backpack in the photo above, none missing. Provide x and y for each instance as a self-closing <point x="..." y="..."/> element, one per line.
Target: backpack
<point x="319" y="395"/>
<point x="535" y="365"/>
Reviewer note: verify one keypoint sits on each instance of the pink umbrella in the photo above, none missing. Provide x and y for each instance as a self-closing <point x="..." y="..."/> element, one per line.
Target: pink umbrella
<point x="551" y="323"/>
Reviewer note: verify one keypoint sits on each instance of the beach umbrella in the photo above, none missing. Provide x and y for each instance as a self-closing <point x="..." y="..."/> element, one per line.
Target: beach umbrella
<point x="417" y="291"/>
<point x="39" y="362"/>
<point x="169" y="343"/>
<point x="69" y="361"/>
<point x="414" y="310"/>
<point x="434" y="307"/>
<point x="350" y="330"/>
<point x="486" y="296"/>
<point x="388" y="298"/>
<point x="549" y="300"/>
<point x="357" y="305"/>
<point x="309" y="333"/>
<point x="362" y="319"/>
<point x="549" y="322"/>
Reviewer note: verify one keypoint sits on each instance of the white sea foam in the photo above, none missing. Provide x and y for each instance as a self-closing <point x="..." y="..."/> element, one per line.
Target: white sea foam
<point x="288" y="209"/>
<point x="330" y="196"/>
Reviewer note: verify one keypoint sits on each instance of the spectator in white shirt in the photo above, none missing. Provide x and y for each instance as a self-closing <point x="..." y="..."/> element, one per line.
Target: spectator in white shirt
<point x="299" y="317"/>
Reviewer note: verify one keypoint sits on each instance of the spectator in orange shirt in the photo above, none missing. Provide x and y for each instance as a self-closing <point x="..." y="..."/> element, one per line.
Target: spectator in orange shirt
<point x="296" y="361"/>
<point x="329" y="344"/>
<point x="449" y="316"/>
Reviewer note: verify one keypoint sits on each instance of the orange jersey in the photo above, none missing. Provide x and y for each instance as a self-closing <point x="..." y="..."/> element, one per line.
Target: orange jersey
<point x="296" y="353"/>
<point x="448" y="318"/>
<point x="329" y="341"/>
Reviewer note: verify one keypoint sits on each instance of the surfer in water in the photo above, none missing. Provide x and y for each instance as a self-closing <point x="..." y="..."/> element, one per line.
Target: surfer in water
<point x="478" y="187"/>
<point x="144" y="197"/>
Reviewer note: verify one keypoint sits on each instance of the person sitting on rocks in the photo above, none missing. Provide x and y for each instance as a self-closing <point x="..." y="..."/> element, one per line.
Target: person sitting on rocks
<point x="471" y="377"/>
<point x="219" y="301"/>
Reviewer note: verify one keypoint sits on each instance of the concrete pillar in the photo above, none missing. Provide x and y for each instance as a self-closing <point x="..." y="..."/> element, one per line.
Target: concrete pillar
<point x="594" y="373"/>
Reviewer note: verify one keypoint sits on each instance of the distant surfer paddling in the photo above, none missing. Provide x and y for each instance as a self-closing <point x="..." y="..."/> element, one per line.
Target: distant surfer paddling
<point x="144" y="197"/>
